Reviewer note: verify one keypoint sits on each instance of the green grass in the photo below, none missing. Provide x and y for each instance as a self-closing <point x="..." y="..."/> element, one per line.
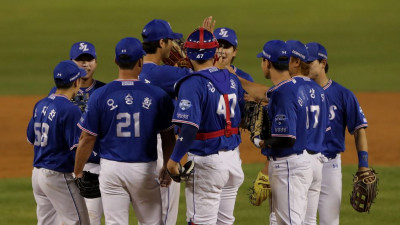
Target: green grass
<point x="360" y="36"/>
<point x="17" y="204"/>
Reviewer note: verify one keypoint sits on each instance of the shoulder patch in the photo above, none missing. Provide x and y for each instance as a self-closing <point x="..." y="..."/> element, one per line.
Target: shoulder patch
<point x="185" y="104"/>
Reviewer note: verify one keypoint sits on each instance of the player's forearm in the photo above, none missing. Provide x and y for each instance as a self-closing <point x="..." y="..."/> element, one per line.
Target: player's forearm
<point x="85" y="147"/>
<point x="360" y="138"/>
<point x="168" y="142"/>
<point x="255" y="90"/>
<point x="185" y="140"/>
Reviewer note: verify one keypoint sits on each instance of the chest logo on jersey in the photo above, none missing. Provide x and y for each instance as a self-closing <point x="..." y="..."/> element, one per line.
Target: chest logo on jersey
<point x="211" y="87"/>
<point x="185" y="104"/>
<point x="233" y="84"/>
<point x="129" y="99"/>
<point x="146" y="103"/>
<point x="110" y="102"/>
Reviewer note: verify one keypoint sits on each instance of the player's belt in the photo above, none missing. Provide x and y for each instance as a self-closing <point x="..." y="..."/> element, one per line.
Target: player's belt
<point x="218" y="133"/>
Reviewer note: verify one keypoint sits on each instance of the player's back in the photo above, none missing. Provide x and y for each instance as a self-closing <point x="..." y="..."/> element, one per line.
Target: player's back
<point x="344" y="110"/>
<point x="203" y="105"/>
<point x="54" y="134"/>
<point x="317" y="115"/>
<point x="129" y="114"/>
<point x="163" y="76"/>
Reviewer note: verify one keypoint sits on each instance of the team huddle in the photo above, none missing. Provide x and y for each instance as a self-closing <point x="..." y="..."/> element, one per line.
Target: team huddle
<point x="100" y="148"/>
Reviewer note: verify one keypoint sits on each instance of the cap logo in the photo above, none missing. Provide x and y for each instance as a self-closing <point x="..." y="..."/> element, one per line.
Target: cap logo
<point x="74" y="77"/>
<point x="223" y="32"/>
<point x="83" y="47"/>
<point x="59" y="74"/>
<point x="298" y="54"/>
<point x="266" y="55"/>
<point x="123" y="51"/>
<point x="284" y="52"/>
<point x="144" y="30"/>
<point x="323" y="55"/>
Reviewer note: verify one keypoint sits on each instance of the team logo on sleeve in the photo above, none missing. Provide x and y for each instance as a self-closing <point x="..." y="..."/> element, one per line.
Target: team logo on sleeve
<point x="146" y="103"/>
<point x="129" y="99"/>
<point x="185" y="104"/>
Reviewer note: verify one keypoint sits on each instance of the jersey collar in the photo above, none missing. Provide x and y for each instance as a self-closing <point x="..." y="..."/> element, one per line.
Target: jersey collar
<point x="57" y="95"/>
<point x="328" y="85"/>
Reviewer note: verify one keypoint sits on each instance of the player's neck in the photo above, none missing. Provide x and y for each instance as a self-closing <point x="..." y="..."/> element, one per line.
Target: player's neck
<point x="322" y="80"/>
<point x="69" y="93"/>
<point x="128" y="74"/>
<point x="277" y="76"/>
<point x="155" y="58"/>
<point x="86" y="82"/>
<point x="198" y="67"/>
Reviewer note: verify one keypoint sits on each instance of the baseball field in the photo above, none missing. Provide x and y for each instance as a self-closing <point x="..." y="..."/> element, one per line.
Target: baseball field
<point x="363" y="50"/>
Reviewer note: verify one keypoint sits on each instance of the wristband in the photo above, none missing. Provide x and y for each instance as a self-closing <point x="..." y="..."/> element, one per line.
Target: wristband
<point x="362" y="159"/>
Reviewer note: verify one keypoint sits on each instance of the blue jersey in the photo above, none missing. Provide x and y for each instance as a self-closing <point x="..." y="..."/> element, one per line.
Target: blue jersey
<point x="81" y="100"/>
<point x="297" y="109"/>
<point x="126" y="115"/>
<point x="53" y="132"/>
<point x="164" y="76"/>
<point x="344" y="110"/>
<point x="242" y="74"/>
<point x="201" y="104"/>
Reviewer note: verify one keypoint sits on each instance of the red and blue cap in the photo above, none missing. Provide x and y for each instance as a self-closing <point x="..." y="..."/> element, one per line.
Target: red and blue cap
<point x="80" y="48"/>
<point x="158" y="29"/>
<point x="130" y="47"/>
<point x="226" y="34"/>
<point x="201" y="44"/>
<point x="316" y="51"/>
<point x="67" y="72"/>
<point x="273" y="51"/>
<point x="298" y="50"/>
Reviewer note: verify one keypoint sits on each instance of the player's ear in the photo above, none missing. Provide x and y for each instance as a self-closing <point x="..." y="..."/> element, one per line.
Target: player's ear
<point x="140" y="63"/>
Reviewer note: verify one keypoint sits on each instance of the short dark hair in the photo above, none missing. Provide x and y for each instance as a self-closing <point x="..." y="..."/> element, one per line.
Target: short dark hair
<point x="326" y="67"/>
<point x="151" y="46"/>
<point x="84" y="57"/>
<point x="126" y="65"/>
<point x="282" y="64"/>
<point x="61" y="85"/>
<point x="304" y="68"/>
<point x="225" y="44"/>
<point x="202" y="61"/>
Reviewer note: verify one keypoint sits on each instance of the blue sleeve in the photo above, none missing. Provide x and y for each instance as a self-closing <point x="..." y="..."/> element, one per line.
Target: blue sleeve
<point x="89" y="121"/>
<point x="183" y="143"/>
<point x="72" y="132"/>
<point x="188" y="108"/>
<point x="283" y="116"/>
<point x="168" y="76"/>
<point x="30" y="132"/>
<point x="355" y="117"/>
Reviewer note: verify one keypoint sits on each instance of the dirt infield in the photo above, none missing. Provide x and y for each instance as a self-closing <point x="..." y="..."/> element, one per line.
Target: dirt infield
<point x="381" y="109"/>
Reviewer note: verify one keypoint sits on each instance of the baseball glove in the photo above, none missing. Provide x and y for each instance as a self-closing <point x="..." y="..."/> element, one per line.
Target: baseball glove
<point x="177" y="55"/>
<point x="184" y="172"/>
<point x="261" y="190"/>
<point x="256" y="120"/>
<point x="88" y="185"/>
<point x="365" y="190"/>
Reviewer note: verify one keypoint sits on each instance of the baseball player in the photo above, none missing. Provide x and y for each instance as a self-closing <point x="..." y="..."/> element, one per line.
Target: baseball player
<point x="209" y="115"/>
<point x="228" y="47"/>
<point x="299" y="66"/>
<point x="84" y="55"/>
<point x="157" y="37"/>
<point x="53" y="132"/>
<point x="294" y="111"/>
<point x="344" y="110"/>
<point x="126" y="115"/>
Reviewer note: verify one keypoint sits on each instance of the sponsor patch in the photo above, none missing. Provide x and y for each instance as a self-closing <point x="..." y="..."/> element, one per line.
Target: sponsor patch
<point x="182" y="116"/>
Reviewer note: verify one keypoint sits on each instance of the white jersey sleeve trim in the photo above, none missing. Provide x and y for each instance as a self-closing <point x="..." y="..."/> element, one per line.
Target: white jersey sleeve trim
<point x="186" y="122"/>
<point x="359" y="127"/>
<point x="86" y="130"/>
<point x="169" y="128"/>
<point x="283" y="135"/>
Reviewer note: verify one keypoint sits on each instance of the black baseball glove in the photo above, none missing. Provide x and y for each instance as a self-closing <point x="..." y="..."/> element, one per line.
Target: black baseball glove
<point x="88" y="185"/>
<point x="184" y="172"/>
<point x="365" y="190"/>
<point x="256" y="120"/>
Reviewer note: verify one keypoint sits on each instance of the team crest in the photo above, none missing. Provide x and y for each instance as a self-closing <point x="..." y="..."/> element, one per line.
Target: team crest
<point x="185" y="104"/>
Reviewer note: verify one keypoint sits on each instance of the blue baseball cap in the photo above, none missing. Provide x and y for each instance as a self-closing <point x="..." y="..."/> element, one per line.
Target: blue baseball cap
<point x="226" y="34"/>
<point x="316" y="51"/>
<point x="67" y="72"/>
<point x="80" y="48"/>
<point x="131" y="47"/>
<point x="298" y="50"/>
<point x="158" y="29"/>
<point x="273" y="50"/>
